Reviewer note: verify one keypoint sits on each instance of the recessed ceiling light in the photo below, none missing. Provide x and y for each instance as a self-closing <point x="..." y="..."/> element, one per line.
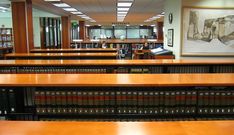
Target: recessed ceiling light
<point x="87" y="25"/>
<point x="124" y="4"/>
<point x="76" y="13"/>
<point x="62" y="5"/>
<point x="163" y="13"/>
<point x="81" y="15"/>
<point x="52" y="0"/>
<point x="141" y="25"/>
<point x="122" y="9"/>
<point x="99" y="25"/>
<point x="127" y="25"/>
<point x="160" y="15"/>
<point x="119" y="15"/>
<point x="152" y="25"/>
<point x="69" y="9"/>
<point x="122" y="12"/>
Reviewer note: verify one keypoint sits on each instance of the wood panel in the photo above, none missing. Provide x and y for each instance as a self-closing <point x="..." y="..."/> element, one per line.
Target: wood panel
<point x="117" y="128"/>
<point x="19" y="27"/>
<point x="160" y="30"/>
<point x="109" y="80"/>
<point x="66" y="32"/>
<point x="82" y="30"/>
<point x="114" y="62"/>
<point x="30" y="24"/>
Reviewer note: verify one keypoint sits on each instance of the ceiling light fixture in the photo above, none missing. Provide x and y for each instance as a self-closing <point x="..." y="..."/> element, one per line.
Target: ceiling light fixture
<point x="70" y="9"/>
<point x="122" y="9"/>
<point x="62" y="5"/>
<point x="124" y="4"/>
<point x="76" y="13"/>
<point x="52" y="0"/>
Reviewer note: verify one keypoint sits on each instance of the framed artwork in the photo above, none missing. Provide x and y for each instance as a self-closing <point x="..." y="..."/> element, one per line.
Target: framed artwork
<point x="170" y="34"/>
<point x="207" y="32"/>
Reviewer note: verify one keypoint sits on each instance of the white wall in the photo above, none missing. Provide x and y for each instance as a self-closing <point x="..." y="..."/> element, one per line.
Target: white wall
<point x="5" y="19"/>
<point x="175" y="6"/>
<point x="36" y="24"/>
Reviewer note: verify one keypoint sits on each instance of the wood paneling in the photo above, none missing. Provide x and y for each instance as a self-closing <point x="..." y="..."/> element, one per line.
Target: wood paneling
<point x="160" y="30"/>
<point x="19" y="27"/>
<point x="118" y="80"/>
<point x="30" y="24"/>
<point x="117" y="128"/>
<point x="82" y="30"/>
<point x="66" y="32"/>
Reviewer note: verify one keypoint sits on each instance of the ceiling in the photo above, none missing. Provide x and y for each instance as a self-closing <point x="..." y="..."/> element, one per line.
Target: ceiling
<point x="104" y="11"/>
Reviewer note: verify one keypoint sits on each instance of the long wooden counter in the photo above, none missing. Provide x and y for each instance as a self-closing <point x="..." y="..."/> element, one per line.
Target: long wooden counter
<point x="117" y="128"/>
<point x="113" y="62"/>
<point x="61" y="56"/>
<point x="83" y="50"/>
<point x="117" y="80"/>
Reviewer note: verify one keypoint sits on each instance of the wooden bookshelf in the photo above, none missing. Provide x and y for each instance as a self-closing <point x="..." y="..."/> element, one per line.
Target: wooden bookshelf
<point x="61" y="56"/>
<point x="118" y="97"/>
<point x="117" y="128"/>
<point x="81" y="50"/>
<point x="6" y="37"/>
<point x="116" y="66"/>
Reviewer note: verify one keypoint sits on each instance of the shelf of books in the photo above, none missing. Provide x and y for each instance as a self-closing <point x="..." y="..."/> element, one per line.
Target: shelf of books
<point x="116" y="66"/>
<point x="6" y="37"/>
<point x="117" y="97"/>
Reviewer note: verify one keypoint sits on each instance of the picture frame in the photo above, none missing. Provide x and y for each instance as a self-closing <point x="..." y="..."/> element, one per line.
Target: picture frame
<point x="170" y="37"/>
<point x="207" y="31"/>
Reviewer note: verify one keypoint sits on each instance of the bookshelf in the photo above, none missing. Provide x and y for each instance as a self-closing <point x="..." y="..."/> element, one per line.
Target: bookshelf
<point x="61" y="56"/>
<point x="136" y="97"/>
<point x="116" y="66"/>
<point x="6" y="37"/>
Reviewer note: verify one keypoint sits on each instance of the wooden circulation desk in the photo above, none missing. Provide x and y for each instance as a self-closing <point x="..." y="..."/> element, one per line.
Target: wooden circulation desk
<point x="83" y="50"/>
<point x="117" y="97"/>
<point x="117" y="128"/>
<point x="61" y="56"/>
<point x="117" y="66"/>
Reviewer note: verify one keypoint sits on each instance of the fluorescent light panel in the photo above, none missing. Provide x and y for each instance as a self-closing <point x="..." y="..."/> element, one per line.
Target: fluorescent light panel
<point x="70" y="9"/>
<point x="52" y="0"/>
<point x="76" y="13"/>
<point x="124" y="4"/>
<point x="122" y="9"/>
<point x="62" y="5"/>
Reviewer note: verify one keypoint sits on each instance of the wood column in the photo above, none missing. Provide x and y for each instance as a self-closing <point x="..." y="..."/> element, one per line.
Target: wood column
<point x="66" y="35"/>
<point x="160" y="30"/>
<point x="30" y="24"/>
<point x="22" y="26"/>
<point x="82" y="30"/>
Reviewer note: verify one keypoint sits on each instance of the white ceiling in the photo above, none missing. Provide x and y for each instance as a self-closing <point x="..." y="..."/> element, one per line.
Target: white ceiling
<point x="104" y="11"/>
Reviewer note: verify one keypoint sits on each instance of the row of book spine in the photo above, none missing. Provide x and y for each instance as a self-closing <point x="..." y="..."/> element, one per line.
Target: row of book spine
<point x="150" y="69"/>
<point x="156" y="97"/>
<point x="136" y="111"/>
<point x="119" y="98"/>
<point x="7" y="101"/>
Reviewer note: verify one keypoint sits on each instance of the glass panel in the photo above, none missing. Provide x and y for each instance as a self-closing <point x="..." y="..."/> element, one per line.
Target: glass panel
<point x="95" y="33"/>
<point x="120" y="32"/>
<point x="133" y="32"/>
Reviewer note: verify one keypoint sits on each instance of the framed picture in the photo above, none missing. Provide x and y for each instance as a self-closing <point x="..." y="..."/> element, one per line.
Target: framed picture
<point x="207" y="32"/>
<point x="170" y="34"/>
